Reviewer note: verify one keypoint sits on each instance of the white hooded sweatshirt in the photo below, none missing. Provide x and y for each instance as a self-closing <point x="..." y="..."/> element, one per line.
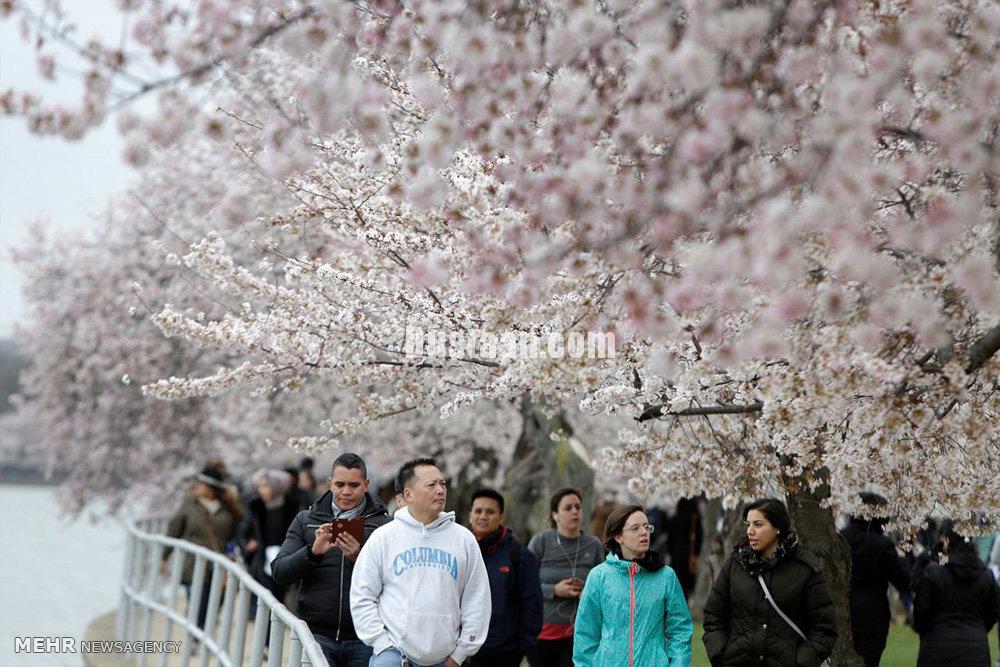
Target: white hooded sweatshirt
<point x="421" y="589"/>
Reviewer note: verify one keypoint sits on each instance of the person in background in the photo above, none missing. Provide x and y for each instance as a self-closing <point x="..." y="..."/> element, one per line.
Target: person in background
<point x="307" y="481"/>
<point x="420" y="595"/>
<point x="565" y="556"/>
<point x="324" y="566"/>
<point x="633" y="611"/>
<point x="397" y="484"/>
<point x="302" y="499"/>
<point x="875" y="564"/>
<point x="956" y="601"/>
<point x="269" y="515"/>
<point x="209" y="517"/>
<point x="684" y="542"/>
<point x="768" y="570"/>
<point x="515" y="591"/>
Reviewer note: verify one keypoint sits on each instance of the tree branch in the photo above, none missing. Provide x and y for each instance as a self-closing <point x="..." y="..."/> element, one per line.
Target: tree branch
<point x="983" y="349"/>
<point x="196" y="72"/>
<point x="657" y="412"/>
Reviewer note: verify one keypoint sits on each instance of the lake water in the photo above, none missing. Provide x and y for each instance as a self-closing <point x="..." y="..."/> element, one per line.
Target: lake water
<point x="56" y="575"/>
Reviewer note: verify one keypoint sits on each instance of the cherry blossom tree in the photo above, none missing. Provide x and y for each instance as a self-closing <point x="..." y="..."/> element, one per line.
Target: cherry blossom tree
<point x="786" y="212"/>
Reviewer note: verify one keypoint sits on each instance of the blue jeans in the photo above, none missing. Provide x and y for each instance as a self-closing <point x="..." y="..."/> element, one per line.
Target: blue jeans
<point x="346" y="653"/>
<point x="391" y="657"/>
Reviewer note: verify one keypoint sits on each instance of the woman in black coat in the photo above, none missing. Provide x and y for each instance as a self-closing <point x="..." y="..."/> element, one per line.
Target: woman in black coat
<point x="956" y="602"/>
<point x="741" y="626"/>
<point x="270" y="514"/>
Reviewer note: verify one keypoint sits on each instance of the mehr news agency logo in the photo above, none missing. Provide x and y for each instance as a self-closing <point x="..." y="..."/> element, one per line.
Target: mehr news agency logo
<point x="71" y="645"/>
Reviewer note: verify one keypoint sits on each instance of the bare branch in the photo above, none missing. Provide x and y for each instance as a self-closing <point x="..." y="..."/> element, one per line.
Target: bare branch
<point x="656" y="412"/>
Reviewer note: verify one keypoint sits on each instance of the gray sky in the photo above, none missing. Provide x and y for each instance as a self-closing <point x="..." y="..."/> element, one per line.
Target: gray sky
<point x="62" y="181"/>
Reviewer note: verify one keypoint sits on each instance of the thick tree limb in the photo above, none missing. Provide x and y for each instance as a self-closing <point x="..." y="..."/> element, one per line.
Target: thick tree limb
<point x="657" y="412"/>
<point x="983" y="349"/>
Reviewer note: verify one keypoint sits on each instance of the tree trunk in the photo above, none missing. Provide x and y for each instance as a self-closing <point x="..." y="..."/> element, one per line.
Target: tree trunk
<point x="542" y="465"/>
<point x="818" y="533"/>
<point x="722" y="529"/>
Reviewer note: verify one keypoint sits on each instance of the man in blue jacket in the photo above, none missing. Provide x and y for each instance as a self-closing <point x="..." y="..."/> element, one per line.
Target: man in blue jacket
<point x="515" y="590"/>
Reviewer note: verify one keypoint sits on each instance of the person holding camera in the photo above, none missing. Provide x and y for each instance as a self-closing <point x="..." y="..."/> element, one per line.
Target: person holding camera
<point x="323" y="562"/>
<point x="956" y="601"/>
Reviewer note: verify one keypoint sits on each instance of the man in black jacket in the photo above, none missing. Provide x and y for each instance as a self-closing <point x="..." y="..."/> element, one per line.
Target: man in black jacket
<point x="323" y="566"/>
<point x="515" y="590"/>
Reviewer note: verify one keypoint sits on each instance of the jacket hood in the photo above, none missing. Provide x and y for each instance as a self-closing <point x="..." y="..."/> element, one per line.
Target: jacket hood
<point x="755" y="563"/>
<point x="490" y="543"/>
<point x="373" y="505"/>
<point x="965" y="565"/>
<point x="443" y="518"/>
<point x="651" y="562"/>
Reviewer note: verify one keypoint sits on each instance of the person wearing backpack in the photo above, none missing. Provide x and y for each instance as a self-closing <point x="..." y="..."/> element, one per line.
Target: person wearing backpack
<point x="515" y="589"/>
<point x="770" y="604"/>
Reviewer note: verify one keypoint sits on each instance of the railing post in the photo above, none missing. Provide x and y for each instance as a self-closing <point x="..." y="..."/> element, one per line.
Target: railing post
<point x="259" y="634"/>
<point x="176" y="566"/>
<point x="242" y="617"/>
<point x="133" y="583"/>
<point x="294" y="649"/>
<point x="152" y="584"/>
<point x="214" y="593"/>
<point x="194" y="603"/>
<point x="276" y="642"/>
<point x="123" y="599"/>
<point x="228" y="601"/>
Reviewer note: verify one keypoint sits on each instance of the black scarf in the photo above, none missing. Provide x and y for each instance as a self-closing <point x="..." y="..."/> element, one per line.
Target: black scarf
<point x="651" y="562"/>
<point x="755" y="563"/>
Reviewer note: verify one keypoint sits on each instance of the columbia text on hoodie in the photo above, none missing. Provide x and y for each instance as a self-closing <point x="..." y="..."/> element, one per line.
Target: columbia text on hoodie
<point x="422" y="589"/>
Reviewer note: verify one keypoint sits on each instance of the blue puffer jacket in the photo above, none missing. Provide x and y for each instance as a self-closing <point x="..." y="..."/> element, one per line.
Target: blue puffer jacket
<point x="632" y="616"/>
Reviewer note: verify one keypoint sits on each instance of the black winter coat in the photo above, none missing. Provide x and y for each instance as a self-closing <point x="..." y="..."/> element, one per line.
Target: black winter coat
<point x="741" y="627"/>
<point x="874" y="565"/>
<point x="324" y="601"/>
<point x="263" y="525"/>
<point x="954" y="608"/>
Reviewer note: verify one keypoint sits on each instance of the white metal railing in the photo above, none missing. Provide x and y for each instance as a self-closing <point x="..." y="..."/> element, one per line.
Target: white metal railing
<point x="141" y="596"/>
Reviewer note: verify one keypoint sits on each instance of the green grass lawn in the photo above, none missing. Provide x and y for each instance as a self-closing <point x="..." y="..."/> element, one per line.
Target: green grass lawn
<point x="900" y="651"/>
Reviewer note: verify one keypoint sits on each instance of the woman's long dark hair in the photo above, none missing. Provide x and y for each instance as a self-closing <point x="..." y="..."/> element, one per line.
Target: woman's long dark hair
<point x="774" y="511"/>
<point x="229" y="500"/>
<point x="614" y="526"/>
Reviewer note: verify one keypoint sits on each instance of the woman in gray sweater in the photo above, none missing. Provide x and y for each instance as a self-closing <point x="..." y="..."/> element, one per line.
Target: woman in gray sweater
<point x="565" y="557"/>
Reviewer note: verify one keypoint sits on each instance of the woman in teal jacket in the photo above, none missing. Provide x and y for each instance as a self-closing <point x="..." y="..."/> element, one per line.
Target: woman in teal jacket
<point x="633" y="612"/>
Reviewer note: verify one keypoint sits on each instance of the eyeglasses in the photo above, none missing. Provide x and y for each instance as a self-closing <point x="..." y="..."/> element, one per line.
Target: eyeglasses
<point x="647" y="527"/>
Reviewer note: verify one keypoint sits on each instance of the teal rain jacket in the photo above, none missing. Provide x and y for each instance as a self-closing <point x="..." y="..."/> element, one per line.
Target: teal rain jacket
<point x="632" y="617"/>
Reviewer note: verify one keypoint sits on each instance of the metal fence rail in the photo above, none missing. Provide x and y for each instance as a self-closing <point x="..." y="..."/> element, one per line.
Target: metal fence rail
<point x="225" y="632"/>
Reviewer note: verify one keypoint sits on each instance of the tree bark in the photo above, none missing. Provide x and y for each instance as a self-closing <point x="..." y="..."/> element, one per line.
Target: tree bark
<point x="722" y="529"/>
<point x="818" y="533"/>
<point x="540" y="466"/>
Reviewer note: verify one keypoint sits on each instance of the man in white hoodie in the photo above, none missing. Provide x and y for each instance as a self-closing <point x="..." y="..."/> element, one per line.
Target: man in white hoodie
<point x="420" y="595"/>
